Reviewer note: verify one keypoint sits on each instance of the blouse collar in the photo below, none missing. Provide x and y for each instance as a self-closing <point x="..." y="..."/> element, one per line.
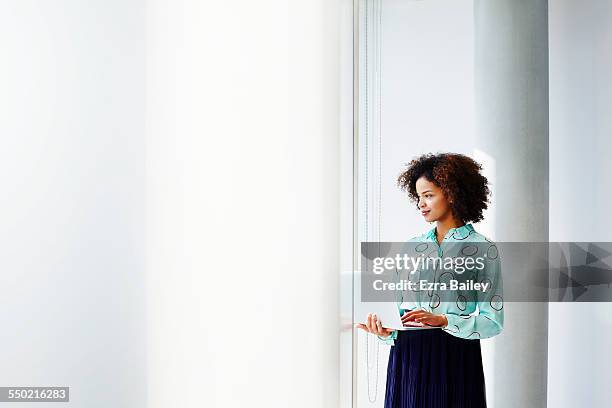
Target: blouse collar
<point x="459" y="232"/>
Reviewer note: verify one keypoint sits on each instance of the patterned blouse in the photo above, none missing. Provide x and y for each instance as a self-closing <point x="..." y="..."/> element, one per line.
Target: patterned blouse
<point x="471" y="313"/>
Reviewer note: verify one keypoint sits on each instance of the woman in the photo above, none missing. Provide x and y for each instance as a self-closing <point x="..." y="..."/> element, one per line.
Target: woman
<point x="442" y="366"/>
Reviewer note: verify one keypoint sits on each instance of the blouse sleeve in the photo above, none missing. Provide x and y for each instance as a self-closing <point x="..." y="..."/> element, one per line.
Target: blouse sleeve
<point x="390" y="339"/>
<point x="489" y="320"/>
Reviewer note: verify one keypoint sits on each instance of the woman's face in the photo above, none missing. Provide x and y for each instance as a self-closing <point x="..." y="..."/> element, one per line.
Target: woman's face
<point x="433" y="204"/>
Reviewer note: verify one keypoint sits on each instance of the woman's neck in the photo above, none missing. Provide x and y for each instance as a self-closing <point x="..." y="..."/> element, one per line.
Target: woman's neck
<point x="443" y="226"/>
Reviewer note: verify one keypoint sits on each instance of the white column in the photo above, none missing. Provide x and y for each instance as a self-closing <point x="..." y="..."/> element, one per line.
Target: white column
<point x="243" y="203"/>
<point x="511" y="63"/>
<point x="72" y="175"/>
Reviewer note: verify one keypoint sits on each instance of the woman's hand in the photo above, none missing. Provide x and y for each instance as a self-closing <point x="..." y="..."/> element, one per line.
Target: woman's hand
<point x="424" y="317"/>
<point x="373" y="326"/>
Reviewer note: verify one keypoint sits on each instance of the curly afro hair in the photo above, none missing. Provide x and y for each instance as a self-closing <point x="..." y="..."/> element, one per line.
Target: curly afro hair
<point x="459" y="178"/>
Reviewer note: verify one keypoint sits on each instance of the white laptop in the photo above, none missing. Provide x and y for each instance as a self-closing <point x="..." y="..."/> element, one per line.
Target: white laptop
<point x="387" y="313"/>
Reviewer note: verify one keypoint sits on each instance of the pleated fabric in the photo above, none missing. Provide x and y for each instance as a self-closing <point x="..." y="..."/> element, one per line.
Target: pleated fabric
<point x="434" y="369"/>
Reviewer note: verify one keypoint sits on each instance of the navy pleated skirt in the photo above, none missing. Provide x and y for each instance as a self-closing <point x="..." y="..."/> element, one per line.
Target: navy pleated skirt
<point x="434" y="369"/>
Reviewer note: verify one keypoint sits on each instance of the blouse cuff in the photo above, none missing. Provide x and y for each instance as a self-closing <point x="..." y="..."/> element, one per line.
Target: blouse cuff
<point x="390" y="339"/>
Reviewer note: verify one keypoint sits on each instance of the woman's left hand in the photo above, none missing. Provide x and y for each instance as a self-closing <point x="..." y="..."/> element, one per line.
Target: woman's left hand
<point x="425" y="317"/>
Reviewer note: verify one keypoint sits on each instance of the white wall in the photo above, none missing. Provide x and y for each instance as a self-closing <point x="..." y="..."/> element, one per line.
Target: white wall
<point x="580" y="179"/>
<point x="171" y="201"/>
<point x="242" y="203"/>
<point x="427" y="96"/>
<point x="72" y="174"/>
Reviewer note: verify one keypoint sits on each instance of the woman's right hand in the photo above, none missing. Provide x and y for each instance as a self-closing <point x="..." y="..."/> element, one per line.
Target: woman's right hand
<point x="373" y="326"/>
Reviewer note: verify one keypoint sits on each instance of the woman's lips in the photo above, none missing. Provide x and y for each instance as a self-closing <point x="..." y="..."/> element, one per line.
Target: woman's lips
<point x="425" y="212"/>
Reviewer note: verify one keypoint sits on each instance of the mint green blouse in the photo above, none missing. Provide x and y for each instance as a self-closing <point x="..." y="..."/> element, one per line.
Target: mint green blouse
<point x="479" y="319"/>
